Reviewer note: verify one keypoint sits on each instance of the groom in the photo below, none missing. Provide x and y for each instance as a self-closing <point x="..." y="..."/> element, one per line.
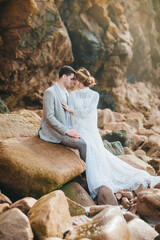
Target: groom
<point x="55" y="126"/>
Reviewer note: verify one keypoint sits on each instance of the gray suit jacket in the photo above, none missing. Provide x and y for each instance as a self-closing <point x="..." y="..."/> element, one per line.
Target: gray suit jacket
<point x="53" y="122"/>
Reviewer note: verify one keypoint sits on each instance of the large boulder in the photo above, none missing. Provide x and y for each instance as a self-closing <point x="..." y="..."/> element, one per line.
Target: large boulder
<point x="50" y="217"/>
<point x="30" y="166"/>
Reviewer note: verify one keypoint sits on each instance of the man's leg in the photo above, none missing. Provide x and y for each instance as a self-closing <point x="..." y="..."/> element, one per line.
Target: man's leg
<point x="80" y="145"/>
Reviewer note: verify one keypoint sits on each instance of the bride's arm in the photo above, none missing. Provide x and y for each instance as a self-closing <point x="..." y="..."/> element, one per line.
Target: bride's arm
<point x="67" y="108"/>
<point x="88" y="106"/>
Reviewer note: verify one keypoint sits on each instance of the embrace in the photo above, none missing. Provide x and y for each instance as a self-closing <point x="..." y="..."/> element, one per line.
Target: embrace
<point x="71" y="120"/>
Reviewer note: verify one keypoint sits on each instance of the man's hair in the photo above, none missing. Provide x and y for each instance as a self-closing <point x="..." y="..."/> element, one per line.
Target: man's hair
<point x="67" y="70"/>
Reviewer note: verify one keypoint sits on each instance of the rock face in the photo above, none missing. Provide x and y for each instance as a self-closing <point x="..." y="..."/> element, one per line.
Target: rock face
<point x="100" y="38"/>
<point x="144" y="18"/>
<point x="34" y="44"/>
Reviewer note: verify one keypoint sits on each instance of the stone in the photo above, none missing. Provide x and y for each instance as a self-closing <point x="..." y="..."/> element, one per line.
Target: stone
<point x="34" y="68"/>
<point x="128" y="151"/>
<point x="15" y="225"/>
<point x="106" y="196"/>
<point x="3" y="207"/>
<point x="114" y="147"/>
<point x="89" y="29"/>
<point x="157" y="227"/>
<point x="3" y="107"/>
<point x="36" y="161"/>
<point x="4" y="199"/>
<point x="24" y="204"/>
<point x="140" y="230"/>
<point x="94" y="210"/>
<point x="148" y="204"/>
<point x="130" y="216"/>
<point x="75" y="209"/>
<point x="135" y="123"/>
<point x="120" y="135"/>
<point x="114" y="227"/>
<point x="76" y="192"/>
<point x="47" y="215"/>
<point x="80" y="220"/>
<point x="105" y="116"/>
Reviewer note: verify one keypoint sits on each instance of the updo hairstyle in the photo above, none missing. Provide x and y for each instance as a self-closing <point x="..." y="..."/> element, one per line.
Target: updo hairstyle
<point x="85" y="77"/>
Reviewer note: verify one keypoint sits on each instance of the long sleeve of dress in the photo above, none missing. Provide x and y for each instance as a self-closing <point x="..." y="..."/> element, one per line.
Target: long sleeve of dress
<point x="83" y="104"/>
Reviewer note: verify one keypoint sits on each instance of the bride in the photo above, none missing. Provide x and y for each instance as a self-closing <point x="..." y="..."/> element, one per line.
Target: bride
<point x="102" y="167"/>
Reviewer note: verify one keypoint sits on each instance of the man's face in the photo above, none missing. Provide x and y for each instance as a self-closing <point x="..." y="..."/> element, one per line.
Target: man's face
<point x="70" y="80"/>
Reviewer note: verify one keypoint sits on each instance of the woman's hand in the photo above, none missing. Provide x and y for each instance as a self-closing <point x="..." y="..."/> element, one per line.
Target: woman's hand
<point x="67" y="108"/>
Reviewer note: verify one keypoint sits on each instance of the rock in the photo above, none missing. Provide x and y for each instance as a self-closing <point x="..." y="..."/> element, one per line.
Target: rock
<point x="137" y="163"/>
<point x="135" y="123"/>
<point x="3" y="107"/>
<point x="145" y="43"/>
<point x="135" y="97"/>
<point x="25" y="155"/>
<point x="24" y="204"/>
<point x="94" y="210"/>
<point x="18" y="127"/>
<point x="134" y="115"/>
<point x="121" y="136"/>
<point x="80" y="220"/>
<point x="75" y="209"/>
<point x="114" y="147"/>
<point x="119" y="117"/>
<point x="3" y="207"/>
<point x="148" y="204"/>
<point x="28" y="55"/>
<point x="130" y="216"/>
<point x="106" y="196"/>
<point x="114" y="227"/>
<point x="125" y="202"/>
<point x="157" y="227"/>
<point x="94" y="31"/>
<point x="140" y="189"/>
<point x="47" y="216"/>
<point x="105" y="116"/>
<point x="4" y="199"/>
<point x="140" y="230"/>
<point x="15" y="225"/>
<point x="36" y="161"/>
<point x="140" y="152"/>
<point x="128" y="151"/>
<point x="118" y="126"/>
<point x="75" y="192"/>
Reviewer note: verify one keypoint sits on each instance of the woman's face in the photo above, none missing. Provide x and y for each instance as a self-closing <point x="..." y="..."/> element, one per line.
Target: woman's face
<point x="77" y="84"/>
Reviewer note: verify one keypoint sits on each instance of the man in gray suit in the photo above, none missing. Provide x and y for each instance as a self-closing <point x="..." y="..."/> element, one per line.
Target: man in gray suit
<point x="55" y="126"/>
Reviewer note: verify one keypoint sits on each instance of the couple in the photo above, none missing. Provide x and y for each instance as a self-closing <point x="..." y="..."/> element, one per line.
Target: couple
<point x="79" y="110"/>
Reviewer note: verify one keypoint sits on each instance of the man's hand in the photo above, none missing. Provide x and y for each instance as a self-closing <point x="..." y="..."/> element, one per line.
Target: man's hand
<point x="73" y="133"/>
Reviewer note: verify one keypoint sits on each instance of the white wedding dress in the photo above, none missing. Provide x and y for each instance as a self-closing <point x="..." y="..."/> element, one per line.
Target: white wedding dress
<point x="102" y="167"/>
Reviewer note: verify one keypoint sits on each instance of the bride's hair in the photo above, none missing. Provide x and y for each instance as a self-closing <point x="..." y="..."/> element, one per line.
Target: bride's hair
<point x="85" y="77"/>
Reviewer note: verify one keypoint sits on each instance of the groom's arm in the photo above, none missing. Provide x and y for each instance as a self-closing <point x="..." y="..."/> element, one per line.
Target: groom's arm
<point x="49" y="113"/>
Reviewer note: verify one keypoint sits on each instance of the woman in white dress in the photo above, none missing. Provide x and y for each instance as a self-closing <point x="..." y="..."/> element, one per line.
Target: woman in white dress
<point x="102" y="167"/>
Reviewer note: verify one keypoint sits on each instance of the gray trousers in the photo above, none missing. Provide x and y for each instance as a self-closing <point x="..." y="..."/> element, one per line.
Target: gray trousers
<point x="80" y="145"/>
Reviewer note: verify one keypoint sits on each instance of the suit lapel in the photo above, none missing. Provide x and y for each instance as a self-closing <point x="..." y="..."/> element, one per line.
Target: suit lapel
<point x="58" y="93"/>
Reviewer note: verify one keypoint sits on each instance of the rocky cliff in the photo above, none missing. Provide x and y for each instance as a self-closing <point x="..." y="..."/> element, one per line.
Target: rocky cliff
<point x="144" y="19"/>
<point x="38" y="37"/>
